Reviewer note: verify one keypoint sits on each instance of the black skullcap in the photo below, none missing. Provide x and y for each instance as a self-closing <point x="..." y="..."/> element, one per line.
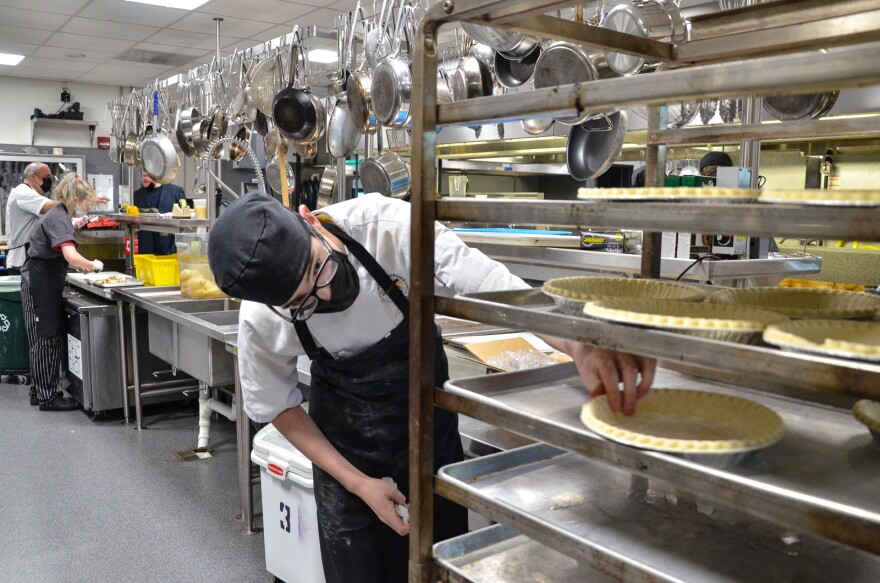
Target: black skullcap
<point x="715" y="159"/>
<point x="258" y="250"/>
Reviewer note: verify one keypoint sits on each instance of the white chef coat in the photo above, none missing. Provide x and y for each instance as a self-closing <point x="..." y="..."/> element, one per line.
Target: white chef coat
<point x="22" y="212"/>
<point x="268" y="346"/>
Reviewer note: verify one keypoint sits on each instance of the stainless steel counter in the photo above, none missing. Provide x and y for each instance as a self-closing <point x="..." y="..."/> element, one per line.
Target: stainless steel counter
<point x="154" y="223"/>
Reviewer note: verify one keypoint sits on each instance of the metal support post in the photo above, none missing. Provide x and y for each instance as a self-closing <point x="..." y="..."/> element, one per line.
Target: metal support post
<point x="138" y="407"/>
<point x="120" y="311"/>
<point x="243" y="448"/>
<point x="655" y="175"/>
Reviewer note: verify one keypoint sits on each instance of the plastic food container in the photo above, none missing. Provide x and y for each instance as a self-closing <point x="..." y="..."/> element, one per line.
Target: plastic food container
<point x="196" y="279"/>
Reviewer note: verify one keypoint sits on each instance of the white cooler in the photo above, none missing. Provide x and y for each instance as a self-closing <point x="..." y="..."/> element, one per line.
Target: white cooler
<point x="290" y="521"/>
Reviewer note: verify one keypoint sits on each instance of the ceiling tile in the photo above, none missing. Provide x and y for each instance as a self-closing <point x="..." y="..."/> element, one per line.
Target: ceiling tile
<point x="33" y="19"/>
<point x="16" y="48"/>
<point x="62" y="53"/>
<point x="102" y="79"/>
<point x="173" y="38"/>
<point x="5" y="69"/>
<point x="270" y="34"/>
<point x="23" y="35"/>
<point x="56" y="64"/>
<point x="132" y="12"/>
<point x="320" y="17"/>
<point x="80" y="41"/>
<point x="209" y="42"/>
<point x="162" y="48"/>
<point x="58" y="74"/>
<point x="344" y="5"/>
<point x="121" y="67"/>
<point x="101" y="29"/>
<point x="271" y="11"/>
<point x="204" y="23"/>
<point x="51" y="6"/>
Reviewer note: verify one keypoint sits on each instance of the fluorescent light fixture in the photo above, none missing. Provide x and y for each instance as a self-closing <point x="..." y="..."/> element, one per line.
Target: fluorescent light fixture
<point x="9" y="59"/>
<point x="322" y="56"/>
<point x="179" y="4"/>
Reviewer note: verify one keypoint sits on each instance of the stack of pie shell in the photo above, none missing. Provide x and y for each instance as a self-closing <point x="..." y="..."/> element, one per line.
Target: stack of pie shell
<point x="570" y="294"/>
<point x="802" y="302"/>
<point x="712" y="321"/>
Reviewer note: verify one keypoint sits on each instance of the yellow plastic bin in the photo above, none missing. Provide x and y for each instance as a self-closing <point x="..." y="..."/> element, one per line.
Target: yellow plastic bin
<point x="164" y="271"/>
<point x="140" y="265"/>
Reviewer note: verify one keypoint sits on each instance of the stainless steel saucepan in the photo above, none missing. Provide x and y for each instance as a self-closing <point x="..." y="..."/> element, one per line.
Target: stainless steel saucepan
<point x="593" y="146"/>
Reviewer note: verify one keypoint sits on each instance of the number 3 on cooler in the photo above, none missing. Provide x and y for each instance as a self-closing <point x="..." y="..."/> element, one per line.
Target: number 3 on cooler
<point x="285" y="523"/>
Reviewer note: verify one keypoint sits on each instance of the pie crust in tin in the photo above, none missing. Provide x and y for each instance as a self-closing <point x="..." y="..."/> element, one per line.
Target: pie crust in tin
<point x="802" y="302"/>
<point x="715" y="321"/>
<point x="682" y="194"/>
<point x="687" y="422"/>
<point x="867" y="412"/>
<point x="571" y="293"/>
<point x="818" y="196"/>
<point x="840" y="338"/>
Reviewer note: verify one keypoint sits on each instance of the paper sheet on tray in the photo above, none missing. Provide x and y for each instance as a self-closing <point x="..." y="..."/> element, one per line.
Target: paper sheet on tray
<point x="462" y="341"/>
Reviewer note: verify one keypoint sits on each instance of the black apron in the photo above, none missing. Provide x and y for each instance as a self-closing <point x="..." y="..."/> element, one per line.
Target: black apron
<point x="46" y="280"/>
<point x="361" y="404"/>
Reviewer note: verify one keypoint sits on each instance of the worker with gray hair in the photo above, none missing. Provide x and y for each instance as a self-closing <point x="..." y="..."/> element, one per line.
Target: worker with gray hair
<point x="26" y="203"/>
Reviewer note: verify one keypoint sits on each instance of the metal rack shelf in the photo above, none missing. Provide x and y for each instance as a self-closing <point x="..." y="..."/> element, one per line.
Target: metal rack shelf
<point x="796" y="483"/>
<point x="795" y="221"/>
<point x="824" y="380"/>
<point x="818" y="477"/>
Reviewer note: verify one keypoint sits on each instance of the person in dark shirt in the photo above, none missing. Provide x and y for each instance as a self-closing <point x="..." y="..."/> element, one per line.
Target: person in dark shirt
<point x="161" y="197"/>
<point x="51" y="250"/>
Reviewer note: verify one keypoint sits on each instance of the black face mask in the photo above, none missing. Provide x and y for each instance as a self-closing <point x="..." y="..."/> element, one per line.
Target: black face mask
<point x="344" y="287"/>
<point x="151" y="187"/>
<point x="46" y="184"/>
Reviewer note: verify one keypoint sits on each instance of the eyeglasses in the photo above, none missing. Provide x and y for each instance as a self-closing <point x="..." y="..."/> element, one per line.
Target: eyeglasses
<point x="303" y="309"/>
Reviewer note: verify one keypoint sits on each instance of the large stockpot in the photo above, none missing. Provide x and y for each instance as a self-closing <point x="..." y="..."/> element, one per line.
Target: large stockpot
<point x="656" y="20"/>
<point x="594" y="145"/>
<point x="511" y="43"/>
<point x="387" y="174"/>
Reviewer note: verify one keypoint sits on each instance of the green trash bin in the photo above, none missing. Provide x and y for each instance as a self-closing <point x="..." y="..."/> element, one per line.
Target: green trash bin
<point x="13" y="336"/>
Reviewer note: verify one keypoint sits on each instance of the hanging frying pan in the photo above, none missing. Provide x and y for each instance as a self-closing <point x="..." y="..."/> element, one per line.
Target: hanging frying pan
<point x="593" y="146"/>
<point x="512" y="73"/>
<point x="795" y="107"/>
<point x="563" y="63"/>
<point x="292" y="107"/>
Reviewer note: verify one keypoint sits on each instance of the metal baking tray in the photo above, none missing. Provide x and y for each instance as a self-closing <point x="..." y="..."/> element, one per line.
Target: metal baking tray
<point x="821" y="477"/>
<point x="813" y="378"/>
<point x="497" y="554"/>
<point x="597" y="515"/>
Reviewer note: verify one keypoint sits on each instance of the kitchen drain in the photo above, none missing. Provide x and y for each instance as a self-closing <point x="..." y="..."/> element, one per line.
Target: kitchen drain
<point x="191" y="455"/>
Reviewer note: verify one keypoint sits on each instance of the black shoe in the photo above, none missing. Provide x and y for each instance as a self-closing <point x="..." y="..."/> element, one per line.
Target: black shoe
<point x="60" y="404"/>
<point x="36" y="400"/>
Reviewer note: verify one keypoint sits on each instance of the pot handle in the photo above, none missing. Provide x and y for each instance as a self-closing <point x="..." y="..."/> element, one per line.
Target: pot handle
<point x="294" y="55"/>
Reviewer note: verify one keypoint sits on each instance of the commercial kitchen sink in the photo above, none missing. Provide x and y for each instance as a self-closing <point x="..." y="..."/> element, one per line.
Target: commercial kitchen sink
<point x="190" y="334"/>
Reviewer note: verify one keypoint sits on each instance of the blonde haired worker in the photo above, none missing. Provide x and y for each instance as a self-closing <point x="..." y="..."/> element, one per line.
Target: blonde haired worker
<point x="51" y="249"/>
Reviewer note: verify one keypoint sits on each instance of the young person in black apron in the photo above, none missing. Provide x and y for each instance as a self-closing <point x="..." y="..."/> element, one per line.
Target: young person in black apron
<point x="51" y="249"/>
<point x="343" y="305"/>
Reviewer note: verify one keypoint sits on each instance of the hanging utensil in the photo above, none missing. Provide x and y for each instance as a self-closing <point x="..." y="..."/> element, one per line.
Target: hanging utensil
<point x="729" y="109"/>
<point x="328" y="184"/>
<point x="513" y="44"/>
<point x="306" y="150"/>
<point x="563" y="63"/>
<point x="797" y="107"/>
<point x="536" y="127"/>
<point x="267" y="81"/>
<point x="392" y="80"/>
<point x="376" y="41"/>
<point x="342" y="135"/>
<point x="513" y="73"/>
<point x="158" y="156"/>
<point x="593" y="146"/>
<point x="236" y="151"/>
<point x="708" y="109"/>
<point x="292" y="108"/>
<point x="359" y="85"/>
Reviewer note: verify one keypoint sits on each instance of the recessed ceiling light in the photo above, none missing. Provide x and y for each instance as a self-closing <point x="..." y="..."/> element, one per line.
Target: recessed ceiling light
<point x="179" y="4"/>
<point x="322" y="56"/>
<point x="9" y="59"/>
<point x="75" y="55"/>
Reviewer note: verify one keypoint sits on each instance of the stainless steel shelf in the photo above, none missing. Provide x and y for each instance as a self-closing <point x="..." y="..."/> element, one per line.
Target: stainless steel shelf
<point x="63" y="123"/>
<point x="820" y="478"/>
<point x="853" y="66"/>
<point x="764" y="220"/>
<point x="531" y="261"/>
<point x="595" y="515"/>
<point x="826" y="380"/>
<point x="497" y="554"/>
<point x="154" y="223"/>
